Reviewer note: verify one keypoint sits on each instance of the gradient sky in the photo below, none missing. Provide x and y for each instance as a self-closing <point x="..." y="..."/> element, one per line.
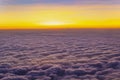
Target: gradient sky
<point x="16" y="14"/>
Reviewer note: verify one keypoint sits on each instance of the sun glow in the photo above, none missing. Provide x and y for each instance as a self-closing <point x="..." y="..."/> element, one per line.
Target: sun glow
<point x="52" y="23"/>
<point x="51" y="16"/>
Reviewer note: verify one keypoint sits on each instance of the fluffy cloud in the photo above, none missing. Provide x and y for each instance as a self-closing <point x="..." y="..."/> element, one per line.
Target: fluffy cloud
<point x="60" y="55"/>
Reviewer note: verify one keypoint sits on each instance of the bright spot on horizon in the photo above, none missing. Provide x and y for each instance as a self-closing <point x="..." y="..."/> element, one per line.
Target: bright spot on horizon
<point x="52" y="23"/>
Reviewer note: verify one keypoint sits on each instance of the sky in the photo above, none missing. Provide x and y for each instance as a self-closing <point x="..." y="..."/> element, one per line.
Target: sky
<point x="42" y="14"/>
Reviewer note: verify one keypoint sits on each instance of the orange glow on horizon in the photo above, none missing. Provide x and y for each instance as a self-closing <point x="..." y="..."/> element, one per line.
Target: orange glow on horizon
<point x="52" y="16"/>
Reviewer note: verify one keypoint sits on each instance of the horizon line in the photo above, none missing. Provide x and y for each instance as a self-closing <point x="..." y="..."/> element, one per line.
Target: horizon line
<point x="60" y="29"/>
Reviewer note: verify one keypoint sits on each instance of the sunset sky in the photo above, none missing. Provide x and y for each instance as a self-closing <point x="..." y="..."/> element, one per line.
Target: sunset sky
<point x="42" y="14"/>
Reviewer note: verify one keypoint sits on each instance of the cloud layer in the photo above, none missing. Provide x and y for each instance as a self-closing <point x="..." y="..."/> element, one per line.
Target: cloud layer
<point x="60" y="55"/>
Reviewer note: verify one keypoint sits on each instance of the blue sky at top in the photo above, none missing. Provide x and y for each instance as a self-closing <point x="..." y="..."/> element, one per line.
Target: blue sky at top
<point x="24" y="2"/>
